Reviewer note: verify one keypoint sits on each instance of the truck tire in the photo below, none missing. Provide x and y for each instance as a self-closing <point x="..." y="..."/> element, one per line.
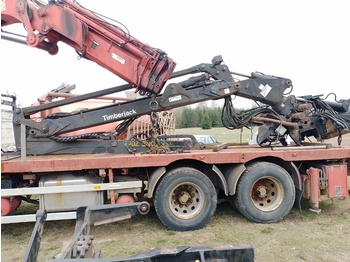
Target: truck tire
<point x="185" y="199"/>
<point x="265" y="193"/>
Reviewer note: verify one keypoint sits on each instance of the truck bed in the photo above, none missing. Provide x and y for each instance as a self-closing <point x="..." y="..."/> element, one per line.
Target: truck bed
<point x="12" y="163"/>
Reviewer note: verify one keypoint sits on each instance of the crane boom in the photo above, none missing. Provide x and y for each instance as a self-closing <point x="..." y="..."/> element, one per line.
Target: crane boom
<point x="146" y="68"/>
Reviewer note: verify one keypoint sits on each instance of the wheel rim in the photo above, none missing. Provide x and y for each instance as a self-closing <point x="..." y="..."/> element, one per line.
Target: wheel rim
<point x="267" y="193"/>
<point x="186" y="200"/>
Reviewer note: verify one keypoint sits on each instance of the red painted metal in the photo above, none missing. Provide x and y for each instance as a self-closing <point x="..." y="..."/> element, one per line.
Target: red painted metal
<point x="306" y="186"/>
<point x="111" y="180"/>
<point x="233" y="154"/>
<point x="125" y="199"/>
<point x="109" y="46"/>
<point x="314" y="177"/>
<point x="9" y="204"/>
<point x="337" y="180"/>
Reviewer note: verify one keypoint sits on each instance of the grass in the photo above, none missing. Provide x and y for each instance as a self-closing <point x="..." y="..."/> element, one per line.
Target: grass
<point x="267" y="230"/>
<point x="299" y="236"/>
<point x="241" y="136"/>
<point x="223" y="135"/>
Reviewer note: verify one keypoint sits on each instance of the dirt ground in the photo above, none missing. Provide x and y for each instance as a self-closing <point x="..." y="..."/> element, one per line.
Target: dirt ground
<point x="301" y="236"/>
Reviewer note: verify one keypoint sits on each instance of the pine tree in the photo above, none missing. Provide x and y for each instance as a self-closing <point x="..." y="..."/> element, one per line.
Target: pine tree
<point x="205" y="122"/>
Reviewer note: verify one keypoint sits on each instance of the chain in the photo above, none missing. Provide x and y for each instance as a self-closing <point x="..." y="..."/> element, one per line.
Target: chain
<point x="66" y="139"/>
<point x="155" y="131"/>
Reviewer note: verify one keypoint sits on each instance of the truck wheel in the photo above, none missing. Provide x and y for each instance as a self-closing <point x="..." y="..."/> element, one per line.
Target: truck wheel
<point x="265" y="193"/>
<point x="185" y="199"/>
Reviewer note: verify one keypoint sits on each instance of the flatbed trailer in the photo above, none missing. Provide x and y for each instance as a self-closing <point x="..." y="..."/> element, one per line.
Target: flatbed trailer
<point x="230" y="155"/>
<point x="184" y="186"/>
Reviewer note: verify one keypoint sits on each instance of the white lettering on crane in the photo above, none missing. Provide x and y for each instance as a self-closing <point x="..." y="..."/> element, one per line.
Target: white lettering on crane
<point x="118" y="58"/>
<point x="119" y="115"/>
<point x="175" y="98"/>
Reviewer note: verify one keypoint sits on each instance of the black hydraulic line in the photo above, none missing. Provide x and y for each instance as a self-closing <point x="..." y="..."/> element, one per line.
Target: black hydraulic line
<point x="194" y="80"/>
<point x="342" y="107"/>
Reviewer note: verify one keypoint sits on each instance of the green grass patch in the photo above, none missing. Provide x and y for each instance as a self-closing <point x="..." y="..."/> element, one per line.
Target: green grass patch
<point x="222" y="134"/>
<point x="160" y="242"/>
<point x="170" y="233"/>
<point x="267" y="230"/>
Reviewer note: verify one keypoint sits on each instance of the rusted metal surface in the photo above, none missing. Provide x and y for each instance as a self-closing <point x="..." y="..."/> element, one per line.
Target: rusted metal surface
<point x="314" y="200"/>
<point x="111" y="180"/>
<point x="275" y="121"/>
<point x="233" y="154"/>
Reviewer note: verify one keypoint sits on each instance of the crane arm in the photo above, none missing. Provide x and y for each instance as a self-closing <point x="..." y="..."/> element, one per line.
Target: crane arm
<point x="146" y="68"/>
<point x="279" y="115"/>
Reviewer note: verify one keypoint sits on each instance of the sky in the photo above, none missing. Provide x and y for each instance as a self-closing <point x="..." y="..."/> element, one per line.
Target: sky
<point x="305" y="41"/>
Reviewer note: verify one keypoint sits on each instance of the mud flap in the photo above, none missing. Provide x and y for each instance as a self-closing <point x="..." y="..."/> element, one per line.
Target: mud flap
<point x="298" y="197"/>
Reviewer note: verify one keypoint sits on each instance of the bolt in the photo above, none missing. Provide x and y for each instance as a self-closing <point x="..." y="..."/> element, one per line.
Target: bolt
<point x="31" y="39"/>
<point x="153" y="105"/>
<point x="44" y="129"/>
<point x="45" y="29"/>
<point x="143" y="208"/>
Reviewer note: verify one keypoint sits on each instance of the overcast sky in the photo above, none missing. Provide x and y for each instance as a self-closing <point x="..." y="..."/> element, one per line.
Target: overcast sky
<point x="306" y="41"/>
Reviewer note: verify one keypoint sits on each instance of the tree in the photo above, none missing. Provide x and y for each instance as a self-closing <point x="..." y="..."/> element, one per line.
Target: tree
<point x="215" y="117"/>
<point x="205" y="121"/>
<point x="188" y="118"/>
<point x="178" y="116"/>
